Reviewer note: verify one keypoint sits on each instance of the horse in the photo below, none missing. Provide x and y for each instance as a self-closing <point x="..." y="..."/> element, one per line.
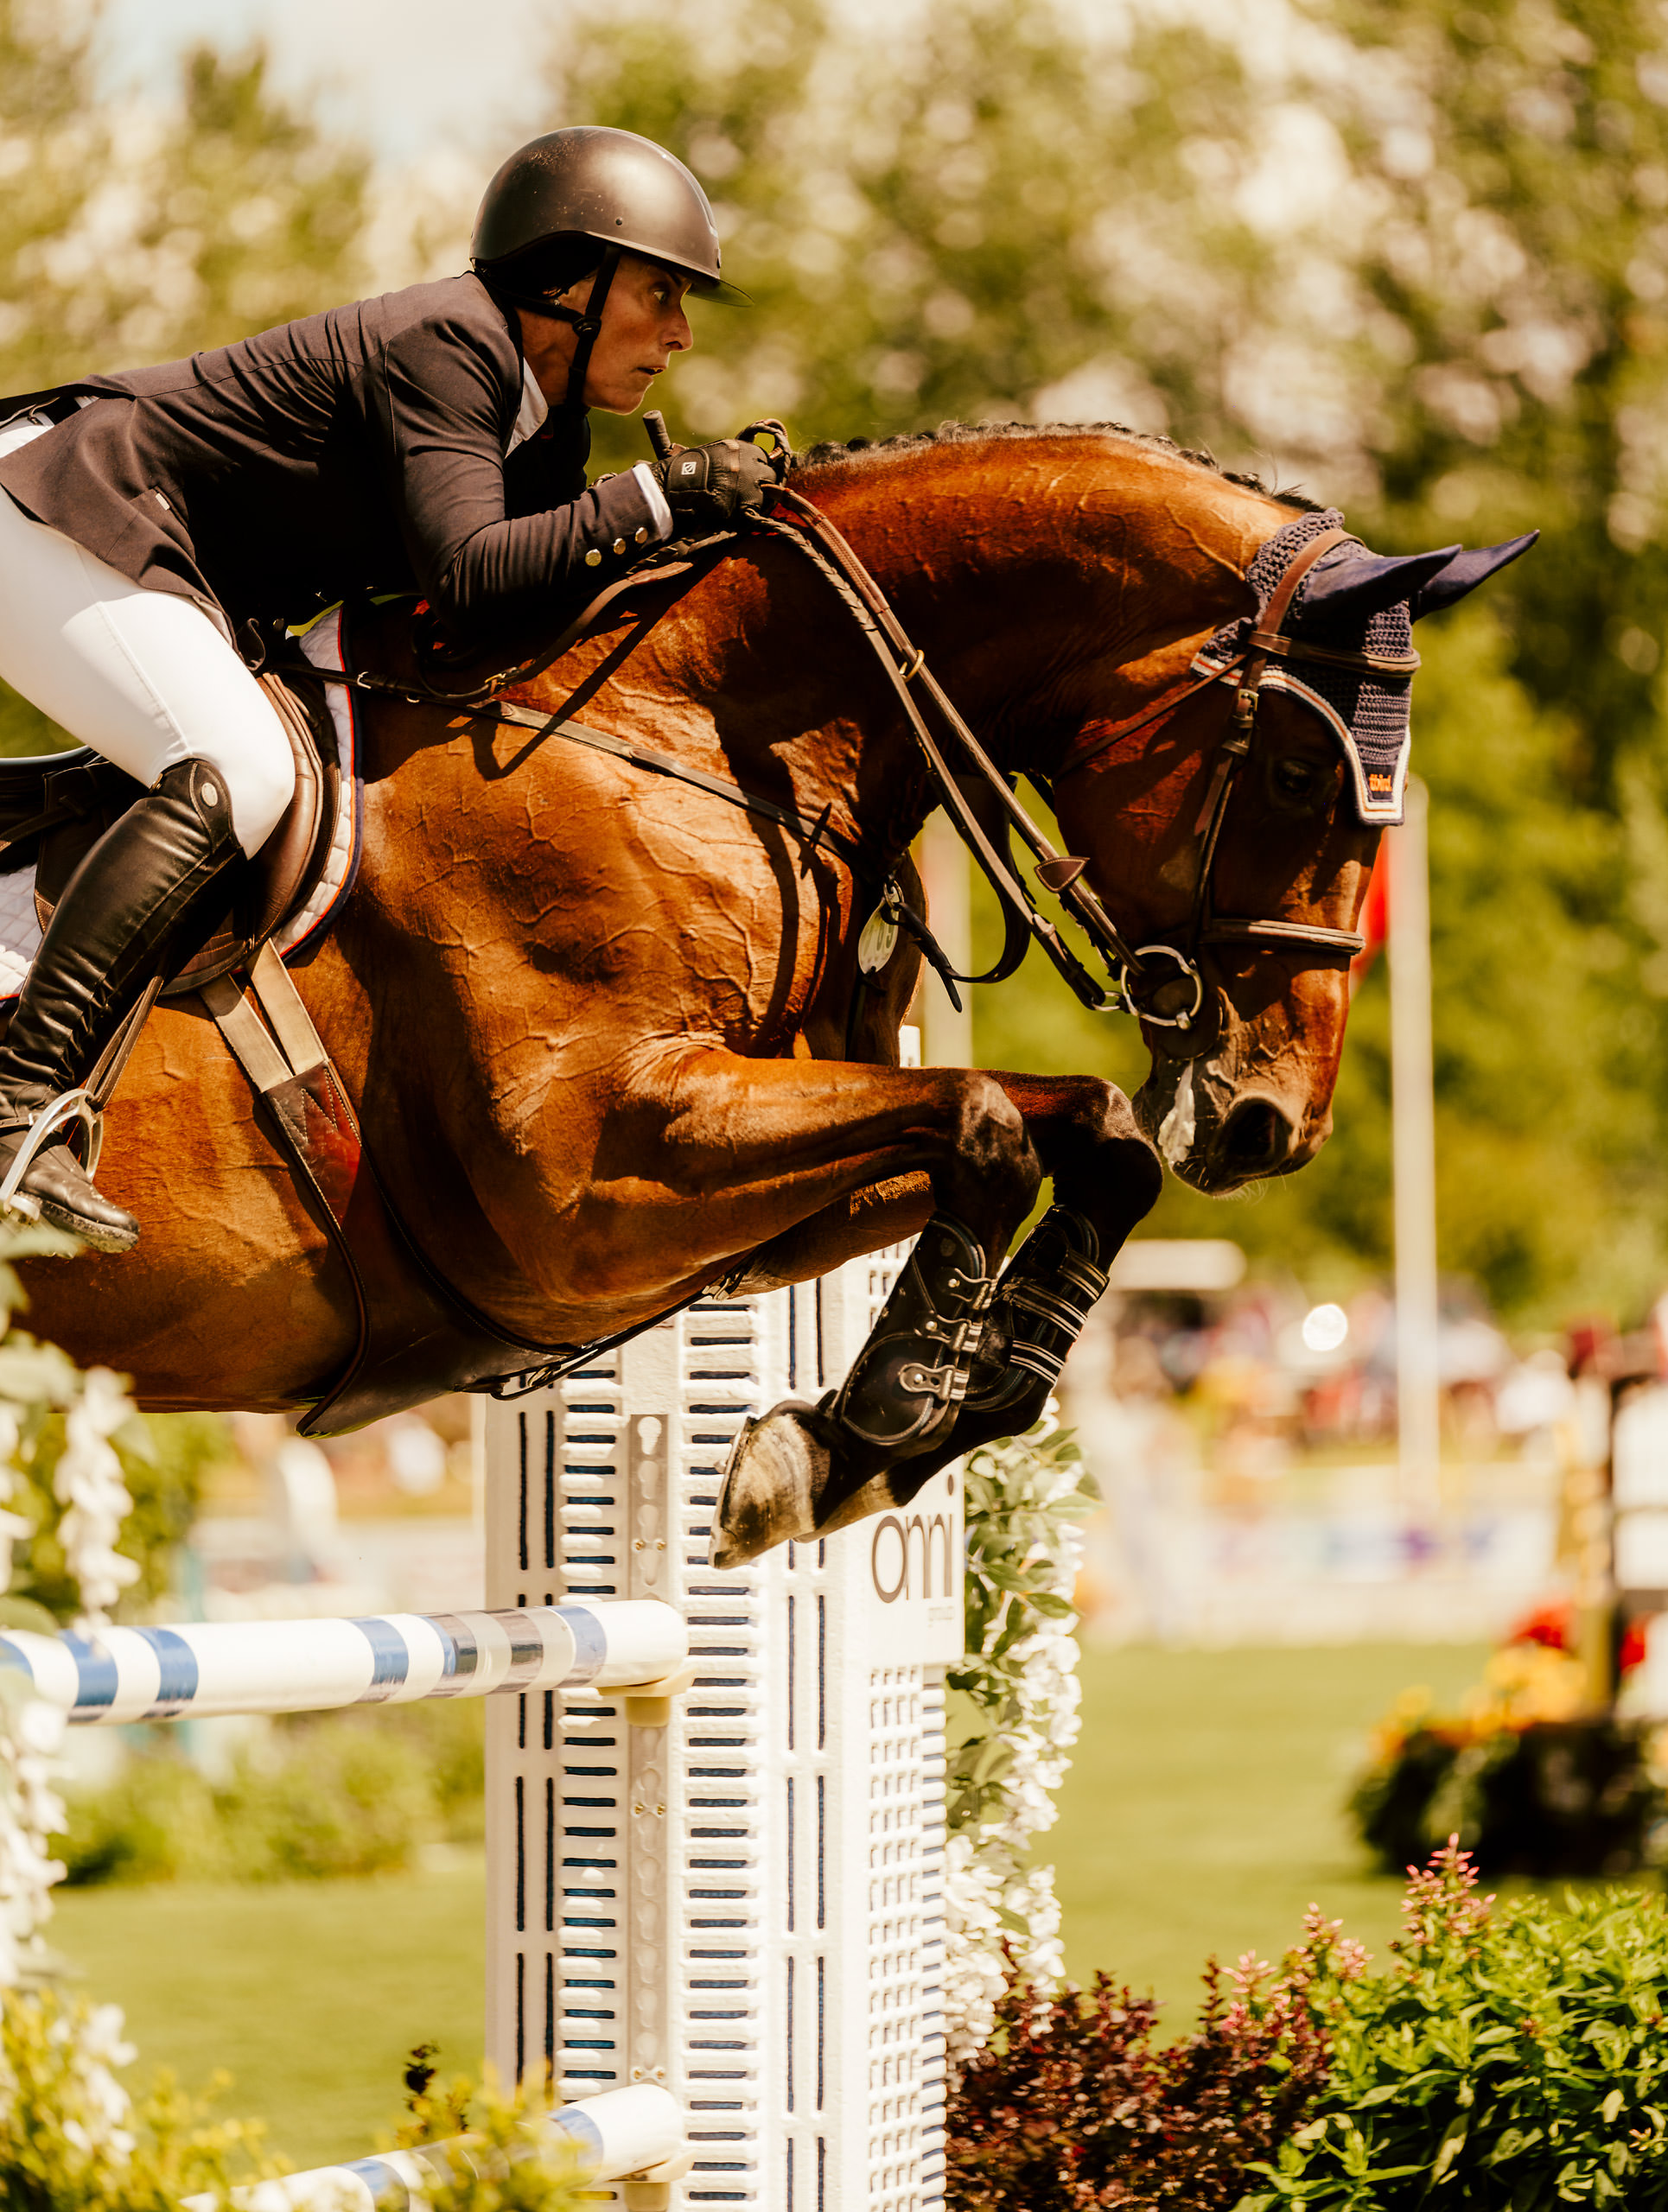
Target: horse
<point x="606" y="1034"/>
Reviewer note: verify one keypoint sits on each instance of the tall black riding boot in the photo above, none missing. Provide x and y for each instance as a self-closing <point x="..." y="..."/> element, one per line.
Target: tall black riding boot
<point x="128" y="913"/>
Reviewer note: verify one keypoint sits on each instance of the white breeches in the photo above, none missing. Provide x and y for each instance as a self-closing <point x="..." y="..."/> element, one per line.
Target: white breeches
<point x="145" y="677"/>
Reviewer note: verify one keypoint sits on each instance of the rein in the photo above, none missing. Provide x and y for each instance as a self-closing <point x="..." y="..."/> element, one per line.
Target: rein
<point x="1135" y="985"/>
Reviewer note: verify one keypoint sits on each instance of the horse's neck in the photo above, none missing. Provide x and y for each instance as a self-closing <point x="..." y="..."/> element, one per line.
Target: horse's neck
<point x="1039" y="576"/>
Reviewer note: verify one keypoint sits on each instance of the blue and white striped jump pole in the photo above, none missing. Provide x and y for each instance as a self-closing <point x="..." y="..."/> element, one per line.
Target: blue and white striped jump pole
<point x="217" y="1667"/>
<point x="622" y="2132"/>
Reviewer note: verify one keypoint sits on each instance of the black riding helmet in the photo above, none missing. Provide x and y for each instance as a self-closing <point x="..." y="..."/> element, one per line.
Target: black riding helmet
<point x="574" y="201"/>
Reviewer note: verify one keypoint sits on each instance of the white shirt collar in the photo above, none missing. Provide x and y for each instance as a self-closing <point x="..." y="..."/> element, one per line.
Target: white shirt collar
<point x="530" y="419"/>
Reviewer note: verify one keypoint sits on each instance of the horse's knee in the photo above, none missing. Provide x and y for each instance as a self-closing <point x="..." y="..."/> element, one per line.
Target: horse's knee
<point x="992" y="1158"/>
<point x="1104" y="1149"/>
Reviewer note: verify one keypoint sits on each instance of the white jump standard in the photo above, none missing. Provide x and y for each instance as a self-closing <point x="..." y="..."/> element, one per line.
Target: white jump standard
<point x="716" y="1923"/>
<point x="745" y="1907"/>
<point x="204" y="1669"/>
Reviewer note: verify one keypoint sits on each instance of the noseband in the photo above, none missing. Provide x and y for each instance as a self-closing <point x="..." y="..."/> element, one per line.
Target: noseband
<point x="1135" y="982"/>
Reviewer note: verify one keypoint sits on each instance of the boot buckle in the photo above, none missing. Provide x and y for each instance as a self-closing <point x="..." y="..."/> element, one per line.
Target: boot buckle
<point x="947" y="1385"/>
<point x="46" y="1126"/>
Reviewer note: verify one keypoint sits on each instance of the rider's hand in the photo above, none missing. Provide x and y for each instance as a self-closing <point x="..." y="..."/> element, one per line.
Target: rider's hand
<point x="711" y="487"/>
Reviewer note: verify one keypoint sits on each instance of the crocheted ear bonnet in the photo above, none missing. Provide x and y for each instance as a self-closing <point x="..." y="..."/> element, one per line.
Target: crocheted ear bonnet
<point x="1369" y="715"/>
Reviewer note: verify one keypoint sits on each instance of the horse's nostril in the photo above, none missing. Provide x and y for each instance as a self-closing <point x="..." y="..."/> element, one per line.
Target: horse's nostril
<point x="1257" y="1137"/>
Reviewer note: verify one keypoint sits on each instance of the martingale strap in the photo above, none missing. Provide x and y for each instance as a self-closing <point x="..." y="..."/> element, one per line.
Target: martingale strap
<point x="866" y="867"/>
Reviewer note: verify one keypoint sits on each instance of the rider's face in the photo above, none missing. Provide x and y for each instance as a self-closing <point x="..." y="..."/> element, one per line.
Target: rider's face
<point x="643" y="325"/>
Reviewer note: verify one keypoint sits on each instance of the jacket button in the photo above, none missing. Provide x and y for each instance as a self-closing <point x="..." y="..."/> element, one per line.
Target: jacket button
<point x="641" y="534"/>
<point x="619" y="544"/>
<point x="593" y="559"/>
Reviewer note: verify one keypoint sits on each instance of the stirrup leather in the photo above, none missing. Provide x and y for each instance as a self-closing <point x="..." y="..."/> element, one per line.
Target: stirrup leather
<point x="47" y="1125"/>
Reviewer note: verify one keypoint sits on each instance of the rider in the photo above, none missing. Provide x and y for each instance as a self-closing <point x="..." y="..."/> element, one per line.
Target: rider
<point x="434" y="440"/>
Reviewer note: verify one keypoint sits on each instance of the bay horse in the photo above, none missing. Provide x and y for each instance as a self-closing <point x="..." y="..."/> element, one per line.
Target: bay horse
<point x="603" y="1030"/>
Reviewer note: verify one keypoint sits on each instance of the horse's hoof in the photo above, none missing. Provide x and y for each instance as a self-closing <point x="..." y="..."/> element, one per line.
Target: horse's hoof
<point x="777" y="1470"/>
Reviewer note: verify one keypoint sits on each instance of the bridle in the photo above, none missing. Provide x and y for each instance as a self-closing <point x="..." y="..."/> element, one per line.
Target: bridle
<point x="1135" y="985"/>
<point x="1265" y="642"/>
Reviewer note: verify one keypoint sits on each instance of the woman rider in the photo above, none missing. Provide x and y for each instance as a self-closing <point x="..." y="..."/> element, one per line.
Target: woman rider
<point x="432" y="440"/>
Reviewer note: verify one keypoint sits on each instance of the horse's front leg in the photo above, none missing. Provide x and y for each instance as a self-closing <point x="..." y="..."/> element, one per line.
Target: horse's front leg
<point x="1088" y="1143"/>
<point x="905" y="1408"/>
<point x="1106" y="1177"/>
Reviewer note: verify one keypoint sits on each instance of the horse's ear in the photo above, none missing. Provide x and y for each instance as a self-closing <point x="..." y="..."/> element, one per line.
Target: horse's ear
<point x="1352" y="591"/>
<point x="1465" y="571"/>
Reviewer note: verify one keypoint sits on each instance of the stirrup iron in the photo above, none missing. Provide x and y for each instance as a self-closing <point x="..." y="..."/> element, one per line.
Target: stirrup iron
<point x="47" y="1124"/>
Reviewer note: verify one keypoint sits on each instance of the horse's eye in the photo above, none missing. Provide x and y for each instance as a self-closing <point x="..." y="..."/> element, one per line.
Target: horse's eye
<point x="1295" y="778"/>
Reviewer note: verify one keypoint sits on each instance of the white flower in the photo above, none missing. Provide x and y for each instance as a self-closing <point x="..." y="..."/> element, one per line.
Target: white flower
<point x="988" y="1887"/>
<point x="88" y="1482"/>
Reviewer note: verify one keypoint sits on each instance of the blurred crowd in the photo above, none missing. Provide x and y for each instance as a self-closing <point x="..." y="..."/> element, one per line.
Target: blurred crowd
<point x="1265" y="1377"/>
<point x="1243" y="1435"/>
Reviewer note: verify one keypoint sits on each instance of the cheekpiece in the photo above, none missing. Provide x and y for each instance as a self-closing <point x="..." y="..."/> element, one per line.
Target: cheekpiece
<point x="1368" y="713"/>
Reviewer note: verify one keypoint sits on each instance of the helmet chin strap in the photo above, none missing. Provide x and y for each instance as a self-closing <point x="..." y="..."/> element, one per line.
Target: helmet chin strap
<point x="587" y="322"/>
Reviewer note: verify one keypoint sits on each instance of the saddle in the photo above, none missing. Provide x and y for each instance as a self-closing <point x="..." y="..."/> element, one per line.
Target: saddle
<point x="53" y="808"/>
<point x="415" y="1336"/>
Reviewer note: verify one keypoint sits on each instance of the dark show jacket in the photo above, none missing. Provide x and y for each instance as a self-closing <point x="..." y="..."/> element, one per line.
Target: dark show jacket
<point x="359" y="449"/>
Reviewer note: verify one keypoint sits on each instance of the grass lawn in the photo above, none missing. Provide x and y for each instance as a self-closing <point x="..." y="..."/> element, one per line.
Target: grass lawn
<point x="308" y="1993"/>
<point x="1202" y="1815"/>
<point x="1203" y="1812"/>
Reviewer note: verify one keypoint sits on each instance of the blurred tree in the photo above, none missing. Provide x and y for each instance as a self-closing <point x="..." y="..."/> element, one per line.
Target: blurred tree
<point x="954" y="224"/>
<point x="137" y="234"/>
<point x="1417" y="254"/>
<point x="1509" y="230"/>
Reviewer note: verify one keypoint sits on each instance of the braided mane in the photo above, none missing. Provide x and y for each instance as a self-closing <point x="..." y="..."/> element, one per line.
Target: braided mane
<point x="832" y="451"/>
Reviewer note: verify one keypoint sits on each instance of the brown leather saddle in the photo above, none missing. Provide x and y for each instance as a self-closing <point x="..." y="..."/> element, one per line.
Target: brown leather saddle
<point x="53" y="808"/>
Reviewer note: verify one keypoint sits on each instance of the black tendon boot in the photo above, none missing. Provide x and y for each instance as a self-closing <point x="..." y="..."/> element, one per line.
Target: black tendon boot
<point x="1040" y="1305"/>
<point x="803" y="1470"/>
<point x="128" y="913"/>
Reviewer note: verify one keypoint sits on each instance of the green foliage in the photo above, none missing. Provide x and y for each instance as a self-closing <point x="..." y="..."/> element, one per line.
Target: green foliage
<point x="351" y="1794"/>
<point x="1511" y="2058"/>
<point x="1514" y="341"/>
<point x="63" y="2147"/>
<point x="164" y="1459"/>
<point x="1525" y="1774"/>
<point x="945" y="223"/>
<point x="1017" y="1496"/>
<point x="127" y="242"/>
<point x="508" y="2161"/>
<point x="1560" y="1797"/>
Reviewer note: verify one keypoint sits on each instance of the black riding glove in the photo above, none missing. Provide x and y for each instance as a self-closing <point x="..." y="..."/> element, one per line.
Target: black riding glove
<point x="711" y="487"/>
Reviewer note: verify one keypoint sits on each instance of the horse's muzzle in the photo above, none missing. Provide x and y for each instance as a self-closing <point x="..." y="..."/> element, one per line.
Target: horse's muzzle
<point x="1257" y="1139"/>
<point x="1244" y="1137"/>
